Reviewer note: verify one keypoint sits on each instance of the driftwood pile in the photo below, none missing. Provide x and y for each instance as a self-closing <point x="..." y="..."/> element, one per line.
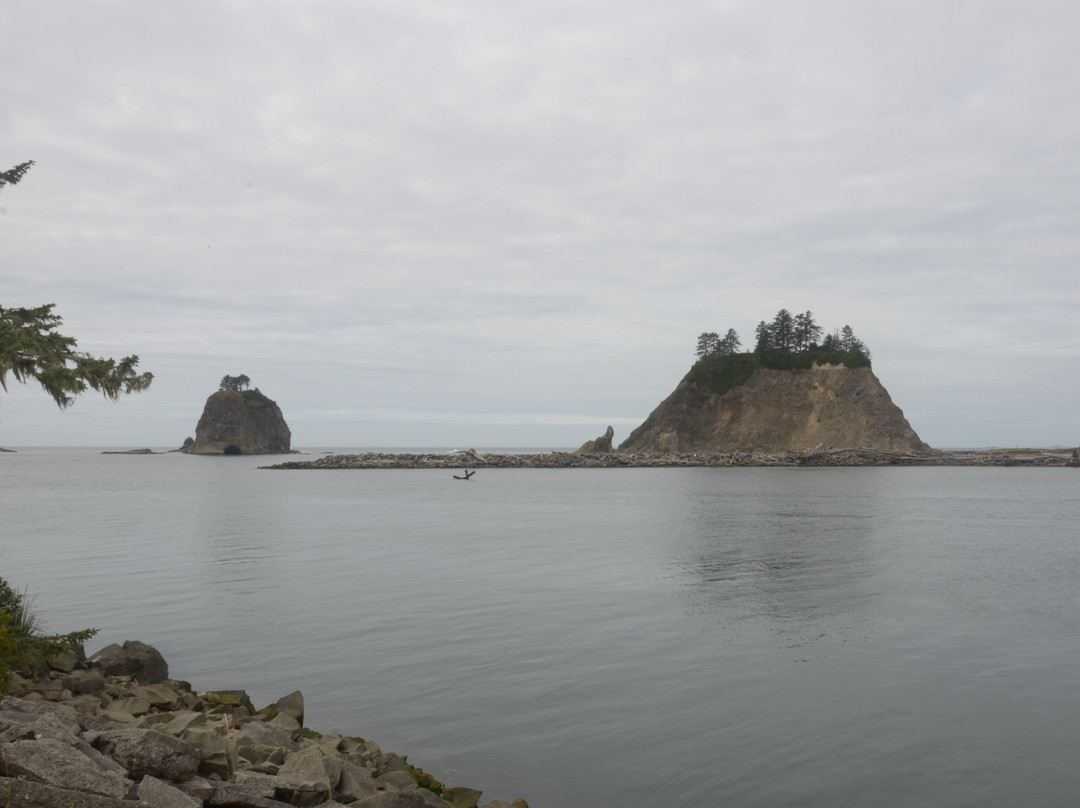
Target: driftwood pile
<point x="811" y="457"/>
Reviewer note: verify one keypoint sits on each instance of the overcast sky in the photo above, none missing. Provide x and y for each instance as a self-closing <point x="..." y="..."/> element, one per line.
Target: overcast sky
<point x="489" y="223"/>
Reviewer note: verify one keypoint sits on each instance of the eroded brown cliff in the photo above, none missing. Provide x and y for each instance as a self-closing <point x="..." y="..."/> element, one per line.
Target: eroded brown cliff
<point x="779" y="410"/>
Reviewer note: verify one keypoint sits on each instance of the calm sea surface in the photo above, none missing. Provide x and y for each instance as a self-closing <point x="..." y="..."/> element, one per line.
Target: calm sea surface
<point x="631" y="637"/>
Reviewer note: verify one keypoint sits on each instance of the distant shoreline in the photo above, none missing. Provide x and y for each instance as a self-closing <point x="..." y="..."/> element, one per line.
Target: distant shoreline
<point x="817" y="457"/>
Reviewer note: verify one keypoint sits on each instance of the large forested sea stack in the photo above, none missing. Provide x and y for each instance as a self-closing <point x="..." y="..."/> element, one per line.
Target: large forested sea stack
<point x="238" y="421"/>
<point x="792" y="393"/>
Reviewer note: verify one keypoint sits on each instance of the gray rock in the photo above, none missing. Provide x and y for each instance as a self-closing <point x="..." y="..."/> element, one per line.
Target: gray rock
<point x="461" y="797"/>
<point x="157" y="794"/>
<point x="218" y="756"/>
<point x="285" y="723"/>
<point x="156" y="721"/>
<point x="60" y="728"/>
<point x="89" y="705"/>
<point x="183" y="721"/>
<point x="58" y="694"/>
<point x="304" y="779"/>
<point x="132" y="705"/>
<point x="266" y="766"/>
<point x="236" y="795"/>
<point x="332" y="765"/>
<point x="159" y="695"/>
<point x="198" y="787"/>
<point x="355" y="783"/>
<point x="600" y="445"/>
<point x="396" y="781"/>
<point x="118" y="719"/>
<point x="133" y="658"/>
<point x="261" y="785"/>
<point x="292" y="705"/>
<point x="259" y="754"/>
<point x="433" y="800"/>
<point x="28" y="794"/>
<point x="89" y="681"/>
<point x="58" y="764"/>
<point x="394" y="763"/>
<point x="14" y="721"/>
<point x="229" y="701"/>
<point x="103" y="762"/>
<point x="392" y="799"/>
<point x="38" y="709"/>
<point x="64" y="662"/>
<point x="258" y="732"/>
<point x="147" y="751"/>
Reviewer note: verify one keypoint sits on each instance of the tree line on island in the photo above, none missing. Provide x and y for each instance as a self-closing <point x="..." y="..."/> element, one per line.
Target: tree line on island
<point x="253" y="398"/>
<point x="789" y="341"/>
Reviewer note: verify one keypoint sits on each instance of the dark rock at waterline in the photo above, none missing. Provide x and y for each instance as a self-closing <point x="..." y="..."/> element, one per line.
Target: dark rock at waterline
<point x="291" y="705"/>
<point x="600" y="445"/>
<point x="133" y="658"/>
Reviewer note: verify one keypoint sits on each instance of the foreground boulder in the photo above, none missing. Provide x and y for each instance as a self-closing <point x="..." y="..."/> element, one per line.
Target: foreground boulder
<point x="145" y="752"/>
<point x="133" y="658"/>
<point x="127" y="742"/>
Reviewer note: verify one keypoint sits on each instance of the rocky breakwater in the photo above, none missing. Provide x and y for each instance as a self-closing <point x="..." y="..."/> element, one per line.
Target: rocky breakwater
<point x="604" y="460"/>
<point x="115" y="731"/>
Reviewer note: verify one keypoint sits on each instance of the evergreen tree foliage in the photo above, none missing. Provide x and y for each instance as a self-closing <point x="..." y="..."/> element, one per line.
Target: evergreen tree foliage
<point x="23" y="642"/>
<point x="707" y="343"/>
<point x="783" y="331"/>
<point x="237" y="383"/>
<point x="786" y="342"/>
<point x="32" y="348"/>
<point x="729" y="344"/>
<point x="13" y="175"/>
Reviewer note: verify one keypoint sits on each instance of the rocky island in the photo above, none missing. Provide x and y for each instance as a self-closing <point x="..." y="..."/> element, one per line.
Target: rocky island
<point x="239" y="421"/>
<point x="778" y="411"/>
<point x="800" y="398"/>
<point x="799" y="389"/>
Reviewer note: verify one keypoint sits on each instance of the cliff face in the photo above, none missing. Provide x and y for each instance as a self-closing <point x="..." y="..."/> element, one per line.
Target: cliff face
<point x="779" y="410"/>
<point x="230" y="426"/>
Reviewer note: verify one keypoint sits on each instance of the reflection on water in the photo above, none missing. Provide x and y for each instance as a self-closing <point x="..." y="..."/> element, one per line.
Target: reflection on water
<point x="750" y="637"/>
<point x="806" y="568"/>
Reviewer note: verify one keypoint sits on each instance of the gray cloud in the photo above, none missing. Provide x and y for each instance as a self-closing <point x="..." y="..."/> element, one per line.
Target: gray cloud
<point x="522" y="217"/>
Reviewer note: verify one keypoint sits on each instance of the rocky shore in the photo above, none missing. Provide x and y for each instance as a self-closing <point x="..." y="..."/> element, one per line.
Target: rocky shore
<point x="812" y="457"/>
<point x="115" y="731"/>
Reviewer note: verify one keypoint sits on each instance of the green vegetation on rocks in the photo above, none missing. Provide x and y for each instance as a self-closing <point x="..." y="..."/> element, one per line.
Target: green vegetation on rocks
<point x="24" y="645"/>
<point x="255" y="399"/>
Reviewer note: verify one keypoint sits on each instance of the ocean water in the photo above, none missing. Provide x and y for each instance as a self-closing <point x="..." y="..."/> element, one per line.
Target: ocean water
<point x="623" y="637"/>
